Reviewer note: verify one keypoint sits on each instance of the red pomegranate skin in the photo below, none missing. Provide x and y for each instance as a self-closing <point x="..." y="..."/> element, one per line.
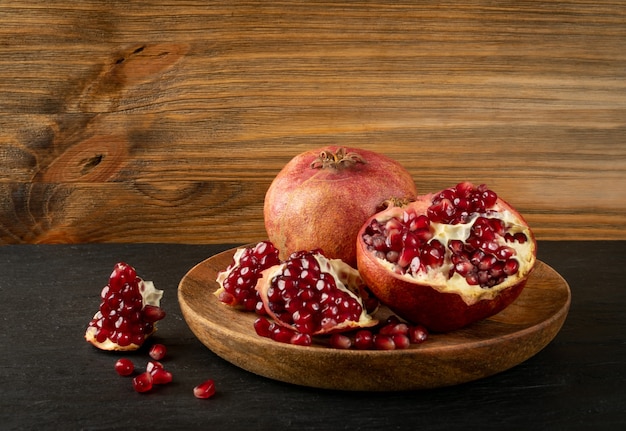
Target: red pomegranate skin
<point x="422" y="304"/>
<point x="428" y="305"/>
<point x="309" y="208"/>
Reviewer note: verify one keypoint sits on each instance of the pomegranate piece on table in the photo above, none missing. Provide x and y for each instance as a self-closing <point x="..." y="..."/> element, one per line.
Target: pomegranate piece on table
<point x="128" y="312"/>
<point x="448" y="259"/>
<point x="321" y="198"/>
<point x="311" y="294"/>
<point x="237" y="282"/>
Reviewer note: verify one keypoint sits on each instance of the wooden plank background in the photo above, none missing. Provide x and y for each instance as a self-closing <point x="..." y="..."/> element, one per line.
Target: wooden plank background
<point x="166" y="121"/>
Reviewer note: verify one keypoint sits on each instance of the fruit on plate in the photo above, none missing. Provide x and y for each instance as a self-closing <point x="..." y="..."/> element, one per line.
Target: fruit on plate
<point x="448" y="259"/>
<point x="238" y="281"/>
<point x="313" y="295"/>
<point x="321" y="198"/>
<point x="128" y="312"/>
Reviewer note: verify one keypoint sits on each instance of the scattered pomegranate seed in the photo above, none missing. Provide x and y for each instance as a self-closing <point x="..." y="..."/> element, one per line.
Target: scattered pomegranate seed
<point x="205" y="389"/>
<point x="158" y="352"/>
<point x="153" y="365"/>
<point x="364" y="340"/>
<point x="300" y="339"/>
<point x="161" y="376"/>
<point x="340" y="341"/>
<point x="263" y="327"/>
<point x="383" y="342"/>
<point x="124" y="367"/>
<point x="401" y="341"/>
<point x="418" y="334"/>
<point x="143" y="382"/>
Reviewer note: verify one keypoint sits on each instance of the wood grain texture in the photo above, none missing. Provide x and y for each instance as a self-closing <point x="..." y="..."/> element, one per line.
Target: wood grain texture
<point x="166" y="122"/>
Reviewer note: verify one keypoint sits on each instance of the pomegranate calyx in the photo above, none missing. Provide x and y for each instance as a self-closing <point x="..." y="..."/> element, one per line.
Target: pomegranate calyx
<point x="341" y="157"/>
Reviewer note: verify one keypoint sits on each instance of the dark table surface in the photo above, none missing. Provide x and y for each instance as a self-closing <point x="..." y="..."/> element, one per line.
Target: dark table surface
<point x="50" y="378"/>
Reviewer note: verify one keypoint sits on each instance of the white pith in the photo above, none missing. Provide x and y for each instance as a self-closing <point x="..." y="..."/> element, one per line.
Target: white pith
<point x="437" y="277"/>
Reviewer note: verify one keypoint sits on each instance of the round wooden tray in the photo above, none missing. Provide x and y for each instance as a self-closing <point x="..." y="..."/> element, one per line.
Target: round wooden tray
<point x="480" y="350"/>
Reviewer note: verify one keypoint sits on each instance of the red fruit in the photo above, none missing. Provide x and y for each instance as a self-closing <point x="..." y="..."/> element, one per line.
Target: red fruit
<point x="124" y="367"/>
<point x="158" y="352"/>
<point x="311" y="294"/>
<point x="447" y="259"/>
<point x="143" y="382"/>
<point x="237" y="282"/>
<point x="340" y="341"/>
<point x="128" y="312"/>
<point x="321" y="198"/>
<point x="205" y="389"/>
<point x="364" y="340"/>
<point x="161" y="376"/>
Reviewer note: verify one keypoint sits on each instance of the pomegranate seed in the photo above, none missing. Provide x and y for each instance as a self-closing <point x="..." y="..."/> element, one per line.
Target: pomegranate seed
<point x="158" y="352"/>
<point x="417" y="334"/>
<point x="394" y="328"/>
<point x="124" y="367"/>
<point x="143" y="382"/>
<point x="364" y="340"/>
<point x="340" y="341"/>
<point x="263" y="327"/>
<point x="161" y="376"/>
<point x="383" y="342"/>
<point x="401" y="341"/>
<point x="281" y="334"/>
<point x="205" y="389"/>
<point x="153" y="365"/>
<point x="300" y="339"/>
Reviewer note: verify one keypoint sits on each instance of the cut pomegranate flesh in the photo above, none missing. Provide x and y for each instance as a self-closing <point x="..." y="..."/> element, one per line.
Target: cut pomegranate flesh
<point x="237" y="283"/>
<point x="128" y="311"/>
<point x="463" y="240"/>
<point x="311" y="294"/>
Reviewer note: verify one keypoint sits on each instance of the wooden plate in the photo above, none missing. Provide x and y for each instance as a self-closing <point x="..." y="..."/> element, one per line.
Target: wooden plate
<point x="483" y="349"/>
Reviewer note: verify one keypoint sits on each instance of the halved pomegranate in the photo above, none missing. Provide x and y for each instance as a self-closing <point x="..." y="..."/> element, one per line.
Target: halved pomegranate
<point x="237" y="282"/>
<point x="314" y="295"/>
<point x="128" y="311"/>
<point x="449" y="258"/>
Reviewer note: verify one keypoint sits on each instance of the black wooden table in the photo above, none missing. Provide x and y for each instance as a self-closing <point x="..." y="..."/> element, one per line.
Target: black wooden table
<point x="50" y="378"/>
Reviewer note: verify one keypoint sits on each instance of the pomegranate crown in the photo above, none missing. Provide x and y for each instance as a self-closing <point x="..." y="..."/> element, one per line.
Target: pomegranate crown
<point x="337" y="159"/>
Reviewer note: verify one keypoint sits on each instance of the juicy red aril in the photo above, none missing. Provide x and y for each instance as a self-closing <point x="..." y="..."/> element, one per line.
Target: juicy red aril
<point x="205" y="389"/>
<point x="263" y="327"/>
<point x="143" y="382"/>
<point x="401" y="341"/>
<point x="124" y="367"/>
<point x="161" y="376"/>
<point x="308" y="298"/>
<point x="384" y="342"/>
<point x="239" y="285"/>
<point x="364" y="340"/>
<point x="417" y="334"/>
<point x="300" y="339"/>
<point x="340" y="341"/>
<point x="158" y="352"/>
<point x="281" y="334"/>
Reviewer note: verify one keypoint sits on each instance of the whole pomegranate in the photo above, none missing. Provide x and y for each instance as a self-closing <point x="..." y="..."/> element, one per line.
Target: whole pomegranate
<point x="448" y="259"/>
<point x="313" y="295"/>
<point x="321" y="198"/>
